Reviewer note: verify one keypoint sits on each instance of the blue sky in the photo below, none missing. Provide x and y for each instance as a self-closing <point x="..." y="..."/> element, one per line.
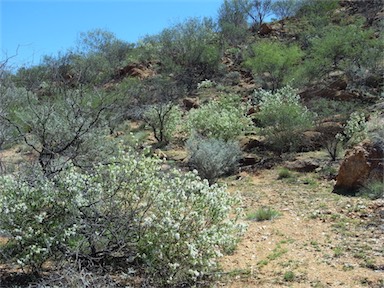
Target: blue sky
<point x="46" y="27"/>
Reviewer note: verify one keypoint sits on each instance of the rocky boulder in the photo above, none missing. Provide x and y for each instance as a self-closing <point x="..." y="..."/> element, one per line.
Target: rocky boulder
<point x="191" y="103"/>
<point x="135" y="70"/>
<point x="264" y="29"/>
<point x="361" y="163"/>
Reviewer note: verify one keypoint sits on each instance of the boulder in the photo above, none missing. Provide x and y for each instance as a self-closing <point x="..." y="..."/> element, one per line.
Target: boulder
<point x="338" y="84"/>
<point x="249" y="160"/>
<point x="264" y="29"/>
<point x="361" y="163"/>
<point x="312" y="140"/>
<point x="134" y="70"/>
<point x="191" y="103"/>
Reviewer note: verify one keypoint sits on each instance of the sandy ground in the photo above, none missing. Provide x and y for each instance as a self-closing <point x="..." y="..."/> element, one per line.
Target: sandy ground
<point x="320" y="240"/>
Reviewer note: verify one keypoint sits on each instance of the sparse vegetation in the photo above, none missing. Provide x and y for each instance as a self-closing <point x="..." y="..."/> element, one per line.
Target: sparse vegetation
<point x="263" y="214"/>
<point x="86" y="201"/>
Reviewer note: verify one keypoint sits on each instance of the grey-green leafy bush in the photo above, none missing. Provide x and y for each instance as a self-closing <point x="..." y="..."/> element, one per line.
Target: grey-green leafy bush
<point x="38" y="218"/>
<point x="173" y="225"/>
<point x="283" y="118"/>
<point x="68" y="126"/>
<point x="224" y="119"/>
<point x="213" y="157"/>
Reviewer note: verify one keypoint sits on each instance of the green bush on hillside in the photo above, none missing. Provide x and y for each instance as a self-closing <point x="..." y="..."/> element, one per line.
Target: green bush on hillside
<point x="283" y="118"/>
<point x="224" y="119"/>
<point x="277" y="59"/>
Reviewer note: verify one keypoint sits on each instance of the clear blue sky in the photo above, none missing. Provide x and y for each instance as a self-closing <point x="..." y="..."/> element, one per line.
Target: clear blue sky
<point x="47" y="27"/>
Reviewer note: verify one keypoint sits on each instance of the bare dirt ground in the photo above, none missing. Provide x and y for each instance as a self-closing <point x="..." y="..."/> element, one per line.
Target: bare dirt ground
<point x="320" y="240"/>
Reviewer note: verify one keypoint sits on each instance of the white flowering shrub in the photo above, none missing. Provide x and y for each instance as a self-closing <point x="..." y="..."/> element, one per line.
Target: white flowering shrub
<point x="218" y="120"/>
<point x="173" y="224"/>
<point x="38" y="219"/>
<point x="355" y="130"/>
<point x="283" y="118"/>
<point x="206" y="84"/>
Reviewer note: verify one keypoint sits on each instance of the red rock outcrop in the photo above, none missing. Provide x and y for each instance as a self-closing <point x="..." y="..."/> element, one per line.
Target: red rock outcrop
<point x="364" y="161"/>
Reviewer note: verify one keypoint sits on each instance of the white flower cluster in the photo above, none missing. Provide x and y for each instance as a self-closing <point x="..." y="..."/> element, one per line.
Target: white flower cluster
<point x="206" y="84"/>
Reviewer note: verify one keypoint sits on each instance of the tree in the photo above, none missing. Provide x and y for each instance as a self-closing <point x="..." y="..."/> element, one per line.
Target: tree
<point x="188" y="51"/>
<point x="342" y="47"/>
<point x="285" y="8"/>
<point x="261" y="9"/>
<point x="278" y="59"/>
<point x="62" y="128"/>
<point x="232" y="20"/>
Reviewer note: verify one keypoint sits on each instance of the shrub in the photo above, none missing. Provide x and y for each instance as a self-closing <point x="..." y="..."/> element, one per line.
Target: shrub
<point x="372" y="190"/>
<point x="289" y="276"/>
<point x="283" y="118"/>
<point x="342" y="47"/>
<point x="163" y="119"/>
<point x="188" y="51"/>
<point x="219" y="119"/>
<point x="232" y="20"/>
<point x="284" y="173"/>
<point x="38" y="217"/>
<point x="355" y="130"/>
<point x="206" y="84"/>
<point x="212" y="157"/>
<point x="263" y="214"/>
<point x="277" y="59"/>
<point x="173" y="224"/>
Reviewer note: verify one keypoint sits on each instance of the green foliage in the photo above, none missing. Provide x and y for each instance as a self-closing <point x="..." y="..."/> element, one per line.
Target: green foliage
<point x="341" y="47"/>
<point x="188" y="51"/>
<point x="284" y="173"/>
<point x="66" y="127"/>
<point x="311" y="8"/>
<point x="355" y="130"/>
<point x="289" y="276"/>
<point x="372" y="190"/>
<point x="163" y="118"/>
<point x="232" y="21"/>
<point x="283" y="118"/>
<point x="263" y="214"/>
<point x="285" y="8"/>
<point x="171" y="224"/>
<point x="278" y="59"/>
<point x="223" y="119"/>
<point x="212" y="157"/>
<point x="38" y="217"/>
